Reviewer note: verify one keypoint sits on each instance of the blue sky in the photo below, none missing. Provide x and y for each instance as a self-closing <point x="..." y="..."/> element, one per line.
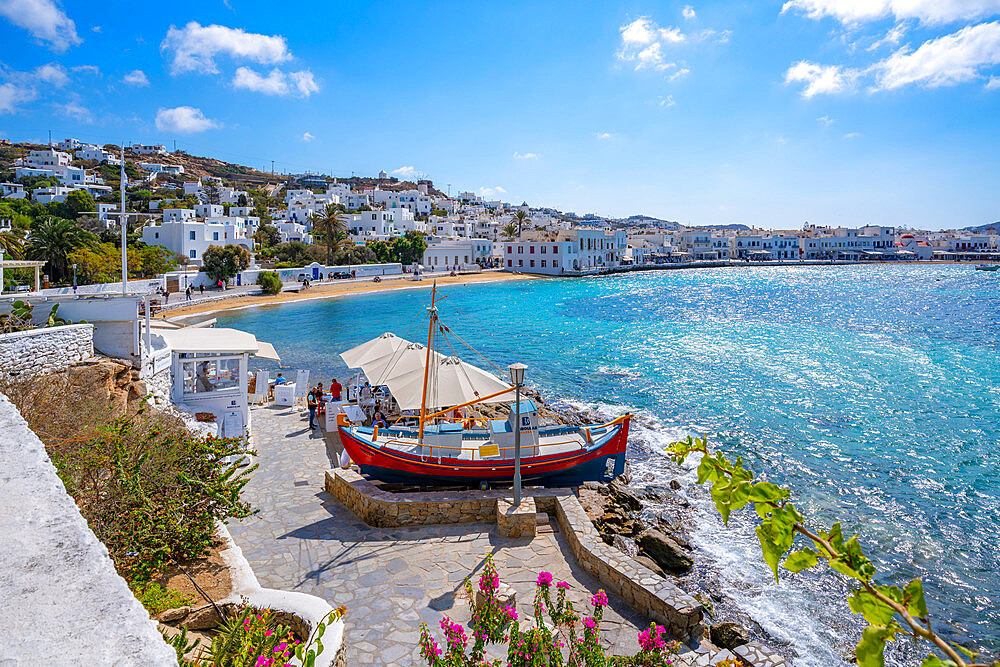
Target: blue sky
<point x="832" y="111"/>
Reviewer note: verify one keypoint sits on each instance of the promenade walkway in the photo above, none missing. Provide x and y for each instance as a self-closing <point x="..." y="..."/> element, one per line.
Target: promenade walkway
<point x="390" y="579"/>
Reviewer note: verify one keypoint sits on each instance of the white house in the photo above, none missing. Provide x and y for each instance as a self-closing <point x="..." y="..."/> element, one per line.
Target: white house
<point x="191" y="238"/>
<point x="97" y="153"/>
<point x="70" y="144"/>
<point x="570" y="250"/>
<point x="48" y="157"/>
<point x="192" y="187"/>
<point x="178" y="214"/>
<point x="12" y="191"/>
<point x="462" y="253"/>
<point x="156" y="168"/>
<point x="140" y="149"/>
<point x="46" y="195"/>
<point x="292" y="231"/>
<point x="209" y="210"/>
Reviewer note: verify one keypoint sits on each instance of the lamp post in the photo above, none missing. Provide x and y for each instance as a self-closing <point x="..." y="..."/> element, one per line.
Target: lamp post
<point x="74" y="277"/>
<point x="517" y="377"/>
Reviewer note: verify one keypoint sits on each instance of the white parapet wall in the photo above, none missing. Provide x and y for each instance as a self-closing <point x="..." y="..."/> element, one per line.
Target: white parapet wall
<point x="45" y="350"/>
<point x="64" y="603"/>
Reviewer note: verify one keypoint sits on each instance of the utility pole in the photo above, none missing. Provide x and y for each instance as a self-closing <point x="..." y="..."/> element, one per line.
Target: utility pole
<point x="124" y="220"/>
<point x="272" y="166"/>
<point x="50" y="137"/>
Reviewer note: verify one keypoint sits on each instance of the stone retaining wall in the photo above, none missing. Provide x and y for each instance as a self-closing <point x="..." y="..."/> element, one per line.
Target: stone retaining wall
<point x="645" y="591"/>
<point x="45" y="350"/>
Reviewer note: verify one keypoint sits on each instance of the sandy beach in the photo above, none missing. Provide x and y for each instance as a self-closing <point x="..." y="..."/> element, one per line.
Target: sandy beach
<point x="334" y="290"/>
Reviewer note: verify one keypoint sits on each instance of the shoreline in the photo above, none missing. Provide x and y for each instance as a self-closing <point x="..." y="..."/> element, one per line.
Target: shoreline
<point x="332" y="291"/>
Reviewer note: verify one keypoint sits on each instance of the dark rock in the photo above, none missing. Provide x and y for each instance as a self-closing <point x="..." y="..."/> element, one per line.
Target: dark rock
<point x="625" y="546"/>
<point x="608" y="539"/>
<point x="172" y="615"/>
<point x="624" y="496"/>
<point x="675" y="485"/>
<point x="669" y="555"/>
<point x="729" y="635"/>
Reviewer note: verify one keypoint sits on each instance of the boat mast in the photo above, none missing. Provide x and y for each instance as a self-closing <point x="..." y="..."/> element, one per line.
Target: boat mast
<point x="427" y="362"/>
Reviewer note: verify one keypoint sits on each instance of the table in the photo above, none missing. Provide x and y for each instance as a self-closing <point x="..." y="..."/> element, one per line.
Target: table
<point x="284" y="394"/>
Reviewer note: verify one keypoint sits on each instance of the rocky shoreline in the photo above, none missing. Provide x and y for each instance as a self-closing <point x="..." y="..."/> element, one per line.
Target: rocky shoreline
<point x="650" y="520"/>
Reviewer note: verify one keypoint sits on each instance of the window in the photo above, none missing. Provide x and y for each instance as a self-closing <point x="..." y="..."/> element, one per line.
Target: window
<point x="215" y="236"/>
<point x="532" y="262"/>
<point x="156" y="235"/>
<point x="543" y="263"/>
<point x="532" y="250"/>
<point x="520" y="262"/>
<point x="191" y="236"/>
<point x="555" y="264"/>
<point x="193" y="254"/>
<point x="206" y="375"/>
<point x="555" y="251"/>
<point x="543" y="250"/>
<point x="510" y="250"/>
<point x="510" y="263"/>
<point x="520" y="249"/>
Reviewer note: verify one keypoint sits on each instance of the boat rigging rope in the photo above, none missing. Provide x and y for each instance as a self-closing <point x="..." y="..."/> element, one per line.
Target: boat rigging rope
<point x="486" y="330"/>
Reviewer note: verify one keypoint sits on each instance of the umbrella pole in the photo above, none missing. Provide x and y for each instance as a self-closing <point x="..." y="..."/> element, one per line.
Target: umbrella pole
<point x="427" y="363"/>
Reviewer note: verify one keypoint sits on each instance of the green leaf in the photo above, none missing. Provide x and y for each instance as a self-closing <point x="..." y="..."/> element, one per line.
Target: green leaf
<point x="800" y="560"/>
<point x="914" y="596"/>
<point x="729" y="495"/>
<point x="871" y="648"/>
<point x="876" y="612"/>
<point x="765" y="492"/>
<point x="775" y="539"/>
<point x="970" y="654"/>
<point x="934" y="661"/>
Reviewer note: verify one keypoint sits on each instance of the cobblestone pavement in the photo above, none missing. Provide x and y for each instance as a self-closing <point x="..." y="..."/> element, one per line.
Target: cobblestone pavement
<point x="390" y="579"/>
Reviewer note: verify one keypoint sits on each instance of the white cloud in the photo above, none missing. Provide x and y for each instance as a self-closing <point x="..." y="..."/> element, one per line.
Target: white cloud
<point x="944" y="61"/>
<point x="53" y="74"/>
<point x="820" y="79"/>
<point x="667" y="101"/>
<point x="75" y="110"/>
<point x="96" y="28"/>
<point x="526" y="156"/>
<point x="491" y="192"/>
<point x="407" y="172"/>
<point x="604" y="135"/>
<point x="643" y="42"/>
<point x="926" y="11"/>
<point x="12" y="95"/>
<point x="183" y="120"/>
<point x="136" y="78"/>
<point x="275" y="83"/>
<point x="272" y="84"/>
<point x="688" y="12"/>
<point x="307" y="137"/>
<point x="44" y="19"/>
<point x="993" y="83"/>
<point x="194" y="47"/>
<point x="825" y="120"/>
<point x="852" y="135"/>
<point x="304" y="82"/>
<point x="684" y="71"/>
<point x="893" y="37"/>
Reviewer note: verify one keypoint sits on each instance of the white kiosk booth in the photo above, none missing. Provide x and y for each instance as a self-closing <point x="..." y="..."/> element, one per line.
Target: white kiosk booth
<point x="209" y="372"/>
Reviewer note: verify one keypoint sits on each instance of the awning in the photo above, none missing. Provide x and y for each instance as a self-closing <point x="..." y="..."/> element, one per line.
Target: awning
<point x="214" y="341"/>
<point x="266" y="351"/>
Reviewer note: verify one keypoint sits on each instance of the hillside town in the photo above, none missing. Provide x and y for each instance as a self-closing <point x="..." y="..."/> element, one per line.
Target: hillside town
<point x="176" y="212"/>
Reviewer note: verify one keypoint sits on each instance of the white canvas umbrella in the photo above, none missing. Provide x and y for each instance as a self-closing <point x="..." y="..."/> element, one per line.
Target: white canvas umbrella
<point x="451" y="382"/>
<point x="384" y="345"/>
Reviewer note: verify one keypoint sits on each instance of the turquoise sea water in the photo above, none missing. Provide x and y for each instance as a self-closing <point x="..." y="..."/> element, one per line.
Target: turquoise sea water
<point x="873" y="392"/>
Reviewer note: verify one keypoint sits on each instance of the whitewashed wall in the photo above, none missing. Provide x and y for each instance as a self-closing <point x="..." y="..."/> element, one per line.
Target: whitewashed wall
<point x="45" y="350"/>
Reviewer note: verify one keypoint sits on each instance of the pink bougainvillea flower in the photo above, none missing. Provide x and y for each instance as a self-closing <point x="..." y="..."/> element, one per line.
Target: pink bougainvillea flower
<point x="544" y="579"/>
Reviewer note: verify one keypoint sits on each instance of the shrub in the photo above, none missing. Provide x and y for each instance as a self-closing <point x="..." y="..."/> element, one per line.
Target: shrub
<point x="269" y="281"/>
<point x="155" y="598"/>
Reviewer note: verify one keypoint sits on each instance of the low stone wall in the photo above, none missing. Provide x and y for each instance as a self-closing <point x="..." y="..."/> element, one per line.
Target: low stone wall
<point x="645" y="591"/>
<point x="45" y="350"/>
<point x="520" y="521"/>
<point x="64" y="603"/>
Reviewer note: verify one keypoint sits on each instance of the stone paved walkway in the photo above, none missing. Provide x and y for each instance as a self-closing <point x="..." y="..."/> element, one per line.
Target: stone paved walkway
<point x="390" y="579"/>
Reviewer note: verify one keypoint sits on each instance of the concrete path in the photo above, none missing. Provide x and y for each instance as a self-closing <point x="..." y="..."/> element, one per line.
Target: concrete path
<point x="390" y="579"/>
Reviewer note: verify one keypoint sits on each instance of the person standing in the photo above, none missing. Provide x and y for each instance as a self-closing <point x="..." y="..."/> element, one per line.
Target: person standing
<point x="187" y="293"/>
<point x="336" y="389"/>
<point x="312" y="404"/>
<point x="201" y="288"/>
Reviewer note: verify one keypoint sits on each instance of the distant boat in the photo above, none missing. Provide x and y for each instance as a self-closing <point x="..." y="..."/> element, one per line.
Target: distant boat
<point x="461" y="449"/>
<point x="987" y="267"/>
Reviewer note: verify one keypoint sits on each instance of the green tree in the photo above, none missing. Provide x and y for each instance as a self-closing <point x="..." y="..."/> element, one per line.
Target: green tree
<point x="295" y="253"/>
<point x="223" y="263"/>
<point x="520" y="219"/>
<point x="269" y="281"/>
<point x="410" y="247"/>
<point x="53" y="240"/>
<point x="330" y="224"/>
<point x="98" y="263"/>
<point x="267" y="236"/>
<point x="212" y="193"/>
<point x="80" y="202"/>
<point x="12" y="243"/>
<point x="152" y="259"/>
<point x="384" y="251"/>
<point x="509" y="231"/>
<point x="358" y="254"/>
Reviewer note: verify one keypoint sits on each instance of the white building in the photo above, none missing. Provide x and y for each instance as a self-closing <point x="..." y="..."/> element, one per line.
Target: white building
<point x="140" y="149"/>
<point x="12" y="191"/>
<point x="157" y="168"/>
<point x="46" y="195"/>
<point x="292" y="231"/>
<point x="572" y="250"/>
<point x="378" y="224"/>
<point x="209" y="210"/>
<point x="70" y="144"/>
<point x="48" y="157"/>
<point x="178" y="214"/>
<point x="462" y="253"/>
<point x="96" y="153"/>
<point x="191" y="238"/>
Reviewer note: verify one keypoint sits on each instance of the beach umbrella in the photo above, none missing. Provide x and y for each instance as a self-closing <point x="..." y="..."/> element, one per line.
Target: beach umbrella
<point x="384" y="345"/>
<point x="405" y="359"/>
<point x="451" y="381"/>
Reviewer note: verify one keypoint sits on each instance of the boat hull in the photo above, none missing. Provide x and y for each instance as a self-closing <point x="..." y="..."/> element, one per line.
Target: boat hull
<point x="565" y="469"/>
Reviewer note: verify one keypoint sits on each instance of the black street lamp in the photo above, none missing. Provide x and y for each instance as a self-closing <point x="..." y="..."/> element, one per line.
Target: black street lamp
<point x="517" y="377"/>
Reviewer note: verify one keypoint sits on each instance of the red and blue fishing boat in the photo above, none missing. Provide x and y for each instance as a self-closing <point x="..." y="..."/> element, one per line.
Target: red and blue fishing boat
<point x="448" y="441"/>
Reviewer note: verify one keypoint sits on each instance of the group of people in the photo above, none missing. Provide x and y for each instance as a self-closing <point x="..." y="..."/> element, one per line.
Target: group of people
<point x="316" y="399"/>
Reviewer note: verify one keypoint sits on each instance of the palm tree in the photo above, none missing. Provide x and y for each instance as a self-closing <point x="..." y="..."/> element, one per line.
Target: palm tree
<point x="54" y="239"/>
<point x="11" y="243"/>
<point x="332" y="224"/>
<point x="509" y="231"/>
<point x="520" y="217"/>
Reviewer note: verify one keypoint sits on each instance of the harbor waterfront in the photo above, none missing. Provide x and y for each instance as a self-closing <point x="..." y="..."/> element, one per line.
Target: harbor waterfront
<point x="872" y="391"/>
